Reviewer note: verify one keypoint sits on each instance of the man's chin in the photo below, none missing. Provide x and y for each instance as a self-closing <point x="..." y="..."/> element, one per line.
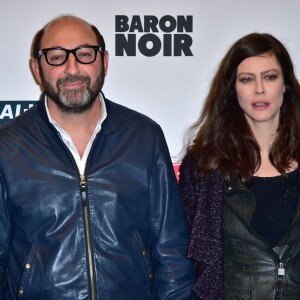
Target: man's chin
<point x="75" y="106"/>
<point x="73" y="94"/>
<point x="74" y="109"/>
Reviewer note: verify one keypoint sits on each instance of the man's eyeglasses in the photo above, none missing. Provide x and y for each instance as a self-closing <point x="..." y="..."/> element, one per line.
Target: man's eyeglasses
<point x="58" y="56"/>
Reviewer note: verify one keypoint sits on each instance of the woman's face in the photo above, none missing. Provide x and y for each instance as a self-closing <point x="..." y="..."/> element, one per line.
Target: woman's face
<point x="260" y="88"/>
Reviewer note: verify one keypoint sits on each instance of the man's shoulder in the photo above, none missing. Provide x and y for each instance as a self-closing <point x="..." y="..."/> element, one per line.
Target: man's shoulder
<point x="19" y="123"/>
<point x="124" y="114"/>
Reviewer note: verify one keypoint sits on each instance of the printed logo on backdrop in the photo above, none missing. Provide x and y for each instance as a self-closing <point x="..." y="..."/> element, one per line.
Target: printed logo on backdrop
<point x="12" y="109"/>
<point x="176" y="166"/>
<point x="150" y="36"/>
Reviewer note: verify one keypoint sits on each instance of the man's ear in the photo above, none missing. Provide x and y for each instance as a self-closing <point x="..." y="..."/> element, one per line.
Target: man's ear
<point x="105" y="61"/>
<point x="35" y="69"/>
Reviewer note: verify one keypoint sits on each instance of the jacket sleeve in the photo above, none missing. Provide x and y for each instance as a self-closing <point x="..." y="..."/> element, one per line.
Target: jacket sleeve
<point x="187" y="188"/>
<point x="204" y="210"/>
<point x="4" y="236"/>
<point x="174" y="273"/>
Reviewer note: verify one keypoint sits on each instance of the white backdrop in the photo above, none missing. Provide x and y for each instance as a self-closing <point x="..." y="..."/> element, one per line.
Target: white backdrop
<point x="168" y="89"/>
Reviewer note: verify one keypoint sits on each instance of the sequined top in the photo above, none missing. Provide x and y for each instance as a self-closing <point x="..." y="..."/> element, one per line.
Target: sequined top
<point x="276" y="199"/>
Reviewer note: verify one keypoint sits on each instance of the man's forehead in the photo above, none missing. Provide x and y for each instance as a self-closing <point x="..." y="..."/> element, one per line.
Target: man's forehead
<point x="67" y="22"/>
<point x="68" y="30"/>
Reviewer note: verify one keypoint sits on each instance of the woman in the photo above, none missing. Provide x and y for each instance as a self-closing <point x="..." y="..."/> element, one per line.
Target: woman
<point x="239" y="177"/>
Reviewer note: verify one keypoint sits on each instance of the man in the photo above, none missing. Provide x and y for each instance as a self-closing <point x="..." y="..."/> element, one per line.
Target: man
<point x="89" y="206"/>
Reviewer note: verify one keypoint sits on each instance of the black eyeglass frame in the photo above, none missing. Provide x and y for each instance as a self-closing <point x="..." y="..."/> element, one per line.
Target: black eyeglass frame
<point x="68" y="51"/>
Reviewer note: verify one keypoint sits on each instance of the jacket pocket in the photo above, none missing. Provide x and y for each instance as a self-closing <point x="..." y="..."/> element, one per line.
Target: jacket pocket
<point x="27" y="273"/>
<point x="237" y="295"/>
<point x="145" y="257"/>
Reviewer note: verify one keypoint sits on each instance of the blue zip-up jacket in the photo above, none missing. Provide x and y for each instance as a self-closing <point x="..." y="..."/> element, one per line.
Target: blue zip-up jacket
<point x="118" y="232"/>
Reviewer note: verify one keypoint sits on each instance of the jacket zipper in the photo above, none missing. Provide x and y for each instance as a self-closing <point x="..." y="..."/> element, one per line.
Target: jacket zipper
<point x="86" y="216"/>
<point x="279" y="290"/>
<point x="88" y="237"/>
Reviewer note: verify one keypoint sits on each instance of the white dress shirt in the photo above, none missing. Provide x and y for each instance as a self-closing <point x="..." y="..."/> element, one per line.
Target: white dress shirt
<point x="80" y="161"/>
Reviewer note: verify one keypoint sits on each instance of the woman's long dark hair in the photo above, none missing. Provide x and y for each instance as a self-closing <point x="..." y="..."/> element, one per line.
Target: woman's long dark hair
<point x="223" y="137"/>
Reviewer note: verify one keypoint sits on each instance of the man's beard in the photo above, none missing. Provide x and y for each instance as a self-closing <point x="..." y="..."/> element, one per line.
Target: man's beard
<point x="74" y="101"/>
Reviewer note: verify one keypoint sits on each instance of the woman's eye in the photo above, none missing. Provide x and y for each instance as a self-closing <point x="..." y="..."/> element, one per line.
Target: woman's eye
<point x="245" y="79"/>
<point x="271" y="77"/>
